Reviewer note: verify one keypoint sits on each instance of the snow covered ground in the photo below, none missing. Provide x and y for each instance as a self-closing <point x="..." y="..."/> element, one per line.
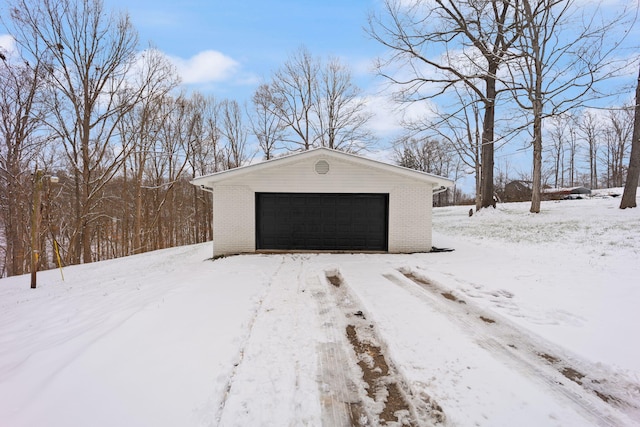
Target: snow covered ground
<point x="533" y="320"/>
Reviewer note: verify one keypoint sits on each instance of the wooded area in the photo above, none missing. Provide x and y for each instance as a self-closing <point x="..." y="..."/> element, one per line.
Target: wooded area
<point x="81" y="101"/>
<point x="492" y="72"/>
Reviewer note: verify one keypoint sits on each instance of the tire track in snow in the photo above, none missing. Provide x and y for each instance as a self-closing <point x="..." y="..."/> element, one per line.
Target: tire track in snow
<point x="339" y="398"/>
<point x="245" y="342"/>
<point x="385" y="396"/>
<point x="539" y="359"/>
<point x="274" y="381"/>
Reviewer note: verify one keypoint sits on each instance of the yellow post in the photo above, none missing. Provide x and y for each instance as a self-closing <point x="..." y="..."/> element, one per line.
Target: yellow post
<point x="55" y="246"/>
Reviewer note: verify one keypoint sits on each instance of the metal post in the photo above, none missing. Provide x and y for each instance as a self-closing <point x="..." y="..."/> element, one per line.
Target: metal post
<point x="35" y="225"/>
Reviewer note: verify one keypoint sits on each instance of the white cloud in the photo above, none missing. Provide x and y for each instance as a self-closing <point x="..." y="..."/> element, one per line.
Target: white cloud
<point x="385" y="155"/>
<point x="205" y="67"/>
<point x="7" y="44"/>
<point x="386" y="118"/>
<point x="388" y="115"/>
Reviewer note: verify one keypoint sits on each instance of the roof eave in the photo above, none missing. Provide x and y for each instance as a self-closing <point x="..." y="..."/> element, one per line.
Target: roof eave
<point x="434" y="180"/>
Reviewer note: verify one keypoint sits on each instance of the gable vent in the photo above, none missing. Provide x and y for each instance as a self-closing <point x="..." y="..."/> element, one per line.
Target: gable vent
<point x="322" y="167"/>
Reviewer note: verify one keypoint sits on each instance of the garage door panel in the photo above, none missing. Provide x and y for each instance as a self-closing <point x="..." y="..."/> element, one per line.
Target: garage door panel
<point x="321" y="221"/>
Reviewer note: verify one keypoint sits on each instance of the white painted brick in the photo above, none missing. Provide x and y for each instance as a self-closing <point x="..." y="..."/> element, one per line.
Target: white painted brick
<point x="233" y="220"/>
<point x="410" y="219"/>
<point x="410" y="202"/>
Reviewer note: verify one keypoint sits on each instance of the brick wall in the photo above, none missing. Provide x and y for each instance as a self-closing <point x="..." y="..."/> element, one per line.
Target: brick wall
<point x="233" y="220"/>
<point x="410" y="203"/>
<point x="410" y="219"/>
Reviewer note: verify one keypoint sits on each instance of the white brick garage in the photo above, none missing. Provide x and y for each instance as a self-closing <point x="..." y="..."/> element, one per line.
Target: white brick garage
<point x="321" y="199"/>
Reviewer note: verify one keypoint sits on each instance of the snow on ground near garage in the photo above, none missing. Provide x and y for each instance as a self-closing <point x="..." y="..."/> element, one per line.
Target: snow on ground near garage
<point x="533" y="320"/>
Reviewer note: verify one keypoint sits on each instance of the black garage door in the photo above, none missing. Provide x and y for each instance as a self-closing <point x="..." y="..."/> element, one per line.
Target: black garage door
<point x="318" y="221"/>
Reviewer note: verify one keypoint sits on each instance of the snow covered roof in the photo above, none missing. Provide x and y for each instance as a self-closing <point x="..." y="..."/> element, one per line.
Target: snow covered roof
<point x="323" y="152"/>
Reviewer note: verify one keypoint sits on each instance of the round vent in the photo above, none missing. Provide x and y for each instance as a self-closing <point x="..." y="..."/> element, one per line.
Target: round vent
<point x="322" y="167"/>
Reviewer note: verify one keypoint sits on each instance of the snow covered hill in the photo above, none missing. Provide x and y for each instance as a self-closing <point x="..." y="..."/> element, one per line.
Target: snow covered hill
<point x="533" y="320"/>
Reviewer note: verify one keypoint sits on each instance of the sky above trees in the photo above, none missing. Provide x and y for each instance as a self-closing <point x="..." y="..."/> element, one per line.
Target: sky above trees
<point x="228" y="48"/>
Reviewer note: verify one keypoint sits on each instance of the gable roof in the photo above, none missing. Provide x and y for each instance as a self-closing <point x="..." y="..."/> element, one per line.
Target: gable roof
<point x="323" y="152"/>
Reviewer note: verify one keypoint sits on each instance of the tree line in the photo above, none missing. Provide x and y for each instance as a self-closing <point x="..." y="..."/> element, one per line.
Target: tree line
<point x="584" y="149"/>
<point x="79" y="100"/>
<point x="513" y="72"/>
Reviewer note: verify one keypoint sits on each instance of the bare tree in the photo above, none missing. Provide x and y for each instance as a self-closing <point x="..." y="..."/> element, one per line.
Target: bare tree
<point x="164" y="172"/>
<point x="91" y="53"/>
<point x="140" y="126"/>
<point x="178" y="144"/>
<point x="590" y="128"/>
<point x="21" y="116"/>
<point x="461" y="129"/>
<point x="427" y="155"/>
<point x="292" y="88"/>
<point x="480" y="30"/>
<point x="558" y="136"/>
<point x="619" y="140"/>
<point x="213" y="152"/>
<point x="633" y="174"/>
<point x="560" y="61"/>
<point x="318" y="104"/>
<point x="340" y="110"/>
<point x="234" y="131"/>
<point x="206" y="157"/>
<point x="269" y="128"/>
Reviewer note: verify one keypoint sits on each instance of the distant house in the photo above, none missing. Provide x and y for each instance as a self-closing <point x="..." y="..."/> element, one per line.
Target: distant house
<point x="517" y="191"/>
<point x="322" y="200"/>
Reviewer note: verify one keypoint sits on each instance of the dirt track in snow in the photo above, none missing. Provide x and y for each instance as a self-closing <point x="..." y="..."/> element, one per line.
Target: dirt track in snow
<point x="359" y="381"/>
<point x="388" y="397"/>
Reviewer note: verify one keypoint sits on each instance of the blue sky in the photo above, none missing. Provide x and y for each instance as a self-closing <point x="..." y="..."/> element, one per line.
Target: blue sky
<point x="227" y="47"/>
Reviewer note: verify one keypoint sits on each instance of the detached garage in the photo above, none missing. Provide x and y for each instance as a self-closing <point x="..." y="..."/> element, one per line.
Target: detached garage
<point x="321" y="200"/>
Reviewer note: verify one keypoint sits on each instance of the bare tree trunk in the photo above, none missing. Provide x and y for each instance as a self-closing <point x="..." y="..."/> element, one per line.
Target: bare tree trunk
<point x="75" y="246"/>
<point x="137" y="219"/>
<point x="536" y="97"/>
<point x="633" y="173"/>
<point x="537" y="164"/>
<point x="573" y="150"/>
<point x="487" y="158"/>
<point x="125" y="215"/>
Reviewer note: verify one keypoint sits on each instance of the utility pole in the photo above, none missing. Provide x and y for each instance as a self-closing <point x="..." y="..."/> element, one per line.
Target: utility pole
<point x="35" y="226"/>
<point x="35" y="222"/>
